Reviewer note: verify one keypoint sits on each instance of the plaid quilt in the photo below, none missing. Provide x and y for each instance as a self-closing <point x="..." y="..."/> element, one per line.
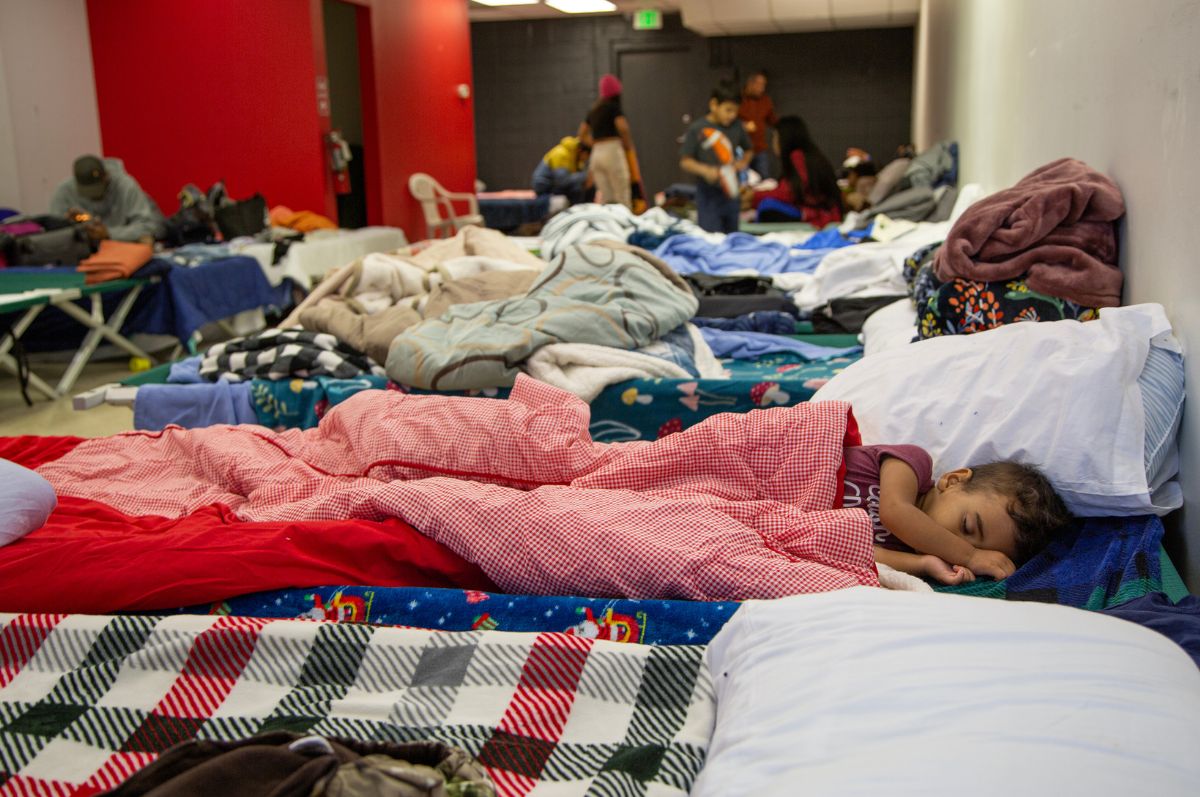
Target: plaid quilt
<point x="85" y="701"/>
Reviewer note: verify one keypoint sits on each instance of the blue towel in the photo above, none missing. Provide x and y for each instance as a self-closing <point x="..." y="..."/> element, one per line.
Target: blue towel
<point x="689" y="254"/>
<point x="769" y="321"/>
<point x="1103" y="563"/>
<point x="193" y="406"/>
<point x="753" y="345"/>
<point x="831" y="238"/>
<point x="786" y="209"/>
<point x="187" y="372"/>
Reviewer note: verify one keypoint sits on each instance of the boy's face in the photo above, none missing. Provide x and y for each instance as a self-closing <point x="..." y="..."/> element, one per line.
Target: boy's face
<point x="723" y="112"/>
<point x="979" y="517"/>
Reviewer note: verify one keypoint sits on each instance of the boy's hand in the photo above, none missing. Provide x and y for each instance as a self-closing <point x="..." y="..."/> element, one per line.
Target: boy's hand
<point x="945" y="573"/>
<point x="712" y="174"/>
<point x="990" y="563"/>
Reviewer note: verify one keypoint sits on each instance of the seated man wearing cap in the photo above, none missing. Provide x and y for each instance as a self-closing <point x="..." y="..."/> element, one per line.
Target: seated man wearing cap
<point x="116" y="205"/>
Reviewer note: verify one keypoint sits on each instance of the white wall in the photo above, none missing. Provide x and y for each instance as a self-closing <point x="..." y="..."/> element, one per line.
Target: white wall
<point x="1111" y="82"/>
<point x="48" y="113"/>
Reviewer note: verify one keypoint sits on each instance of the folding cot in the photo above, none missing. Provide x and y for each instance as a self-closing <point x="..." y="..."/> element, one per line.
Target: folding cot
<point x="31" y="293"/>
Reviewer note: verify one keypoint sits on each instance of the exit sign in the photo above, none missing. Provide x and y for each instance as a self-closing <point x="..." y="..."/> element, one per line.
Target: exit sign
<point x="647" y="19"/>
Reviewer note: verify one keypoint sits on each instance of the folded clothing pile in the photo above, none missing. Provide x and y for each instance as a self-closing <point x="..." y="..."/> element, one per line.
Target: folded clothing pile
<point x="1055" y="229"/>
<point x="115" y="260"/>
<point x="285" y="353"/>
<point x="963" y="307"/>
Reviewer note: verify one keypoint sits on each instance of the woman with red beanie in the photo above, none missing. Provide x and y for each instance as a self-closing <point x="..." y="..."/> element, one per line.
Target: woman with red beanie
<point x="607" y="132"/>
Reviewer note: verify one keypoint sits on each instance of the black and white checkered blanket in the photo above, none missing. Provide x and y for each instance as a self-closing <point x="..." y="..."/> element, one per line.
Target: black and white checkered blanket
<point x="85" y="701"/>
<point x="283" y="354"/>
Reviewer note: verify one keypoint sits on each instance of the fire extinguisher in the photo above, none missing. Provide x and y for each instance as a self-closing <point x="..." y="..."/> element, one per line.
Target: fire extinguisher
<point x="339" y="161"/>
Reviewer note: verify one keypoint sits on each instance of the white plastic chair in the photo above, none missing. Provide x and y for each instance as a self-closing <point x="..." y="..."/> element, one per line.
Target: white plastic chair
<point x="436" y="200"/>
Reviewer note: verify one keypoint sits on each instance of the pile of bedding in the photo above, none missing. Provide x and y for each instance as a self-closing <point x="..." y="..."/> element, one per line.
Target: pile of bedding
<point x="1043" y="250"/>
<point x="591" y="222"/>
<point x="471" y="312"/>
<point x="605" y="295"/>
<point x="964" y="307"/>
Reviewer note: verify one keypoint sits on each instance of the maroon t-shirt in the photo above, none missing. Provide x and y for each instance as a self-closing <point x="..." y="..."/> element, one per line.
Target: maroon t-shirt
<point x="862" y="482"/>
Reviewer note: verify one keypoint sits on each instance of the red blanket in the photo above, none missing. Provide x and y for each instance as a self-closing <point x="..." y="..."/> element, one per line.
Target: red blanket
<point x="1055" y="227"/>
<point x="92" y="558"/>
<point x="739" y="506"/>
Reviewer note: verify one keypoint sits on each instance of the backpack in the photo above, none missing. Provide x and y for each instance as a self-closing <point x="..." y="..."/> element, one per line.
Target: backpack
<point x="62" y="247"/>
<point x="247" y="217"/>
<point x="193" y="222"/>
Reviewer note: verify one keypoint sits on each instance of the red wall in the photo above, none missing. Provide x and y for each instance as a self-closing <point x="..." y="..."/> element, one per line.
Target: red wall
<point x="421" y="50"/>
<point x="203" y="90"/>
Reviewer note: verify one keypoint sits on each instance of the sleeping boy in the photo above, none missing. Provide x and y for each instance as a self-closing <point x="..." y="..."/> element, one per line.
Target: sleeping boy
<point x="970" y="522"/>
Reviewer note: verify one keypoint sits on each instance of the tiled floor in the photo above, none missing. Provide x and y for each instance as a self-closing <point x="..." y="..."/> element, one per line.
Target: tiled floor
<point x="57" y="417"/>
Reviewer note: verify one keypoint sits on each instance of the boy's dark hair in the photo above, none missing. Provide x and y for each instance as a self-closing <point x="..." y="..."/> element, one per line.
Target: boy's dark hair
<point x="1034" y="506"/>
<point x="726" y="92"/>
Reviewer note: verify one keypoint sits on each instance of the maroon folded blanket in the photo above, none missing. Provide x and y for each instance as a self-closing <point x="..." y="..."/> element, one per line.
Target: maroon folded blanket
<point x="1055" y="228"/>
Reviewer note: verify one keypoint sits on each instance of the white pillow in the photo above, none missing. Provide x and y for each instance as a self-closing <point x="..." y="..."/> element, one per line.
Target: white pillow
<point x="890" y="327"/>
<point x="1060" y="395"/>
<point x="26" y="500"/>
<point x="872" y="692"/>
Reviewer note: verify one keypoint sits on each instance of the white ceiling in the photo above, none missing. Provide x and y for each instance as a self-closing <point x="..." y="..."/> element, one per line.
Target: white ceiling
<point x="740" y="17"/>
<point x="481" y="13"/>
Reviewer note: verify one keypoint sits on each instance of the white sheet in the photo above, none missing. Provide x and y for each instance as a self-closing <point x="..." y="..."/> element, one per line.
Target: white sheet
<point x="586" y="369"/>
<point x="869" y="692"/>
<point x="869" y="269"/>
<point x="323" y="251"/>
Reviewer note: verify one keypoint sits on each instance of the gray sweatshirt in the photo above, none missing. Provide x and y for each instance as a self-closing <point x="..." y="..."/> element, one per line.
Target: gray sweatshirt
<point x="126" y="210"/>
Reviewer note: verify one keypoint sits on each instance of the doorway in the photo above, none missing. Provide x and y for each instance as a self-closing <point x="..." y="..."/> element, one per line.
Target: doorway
<point x="663" y="92"/>
<point x="342" y="57"/>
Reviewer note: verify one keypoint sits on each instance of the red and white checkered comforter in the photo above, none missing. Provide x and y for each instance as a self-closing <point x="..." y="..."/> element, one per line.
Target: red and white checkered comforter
<point x="737" y="507"/>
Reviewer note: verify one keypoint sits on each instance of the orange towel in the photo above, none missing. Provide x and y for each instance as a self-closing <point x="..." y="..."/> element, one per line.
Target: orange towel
<point x="116" y="260"/>
<point x="301" y="221"/>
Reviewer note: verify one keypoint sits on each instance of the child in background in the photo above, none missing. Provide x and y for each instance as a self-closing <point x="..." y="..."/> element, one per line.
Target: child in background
<point x="715" y="148"/>
<point x="970" y="522"/>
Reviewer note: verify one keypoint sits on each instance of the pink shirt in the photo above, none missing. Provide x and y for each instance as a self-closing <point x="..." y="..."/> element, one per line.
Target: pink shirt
<point x="862" y="482"/>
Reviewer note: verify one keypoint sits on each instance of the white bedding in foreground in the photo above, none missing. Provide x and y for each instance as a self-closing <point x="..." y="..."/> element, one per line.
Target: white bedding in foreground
<point x="867" y="691"/>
